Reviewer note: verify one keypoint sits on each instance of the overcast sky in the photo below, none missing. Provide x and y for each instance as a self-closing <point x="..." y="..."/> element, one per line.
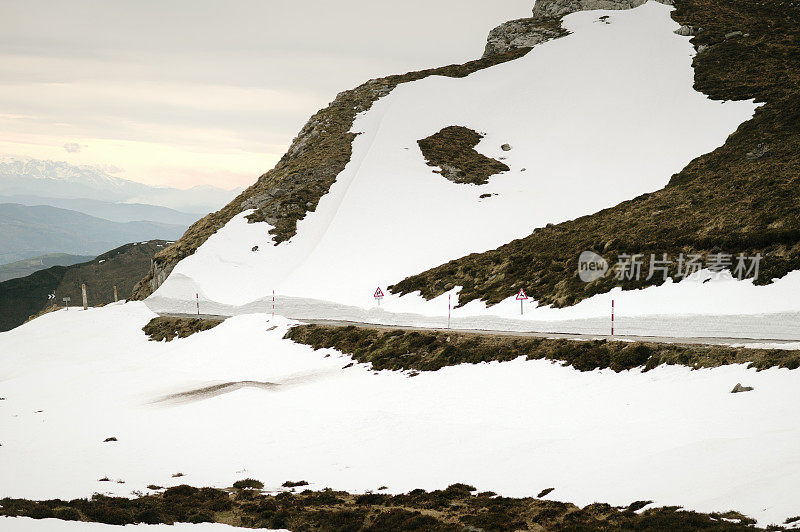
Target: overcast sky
<point x="189" y="92"/>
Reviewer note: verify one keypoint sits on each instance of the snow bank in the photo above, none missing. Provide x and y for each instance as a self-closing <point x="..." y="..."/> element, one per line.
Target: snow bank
<point x="25" y="524"/>
<point x="678" y="437"/>
<point x="594" y="118"/>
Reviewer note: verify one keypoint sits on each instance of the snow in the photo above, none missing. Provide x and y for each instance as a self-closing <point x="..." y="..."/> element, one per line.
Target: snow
<point x="676" y="436"/>
<point x="25" y="524"/>
<point x="596" y="118"/>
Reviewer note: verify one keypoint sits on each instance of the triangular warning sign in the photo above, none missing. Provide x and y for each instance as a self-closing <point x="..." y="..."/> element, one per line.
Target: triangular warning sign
<point x="522" y="295"/>
<point x="378" y="293"/>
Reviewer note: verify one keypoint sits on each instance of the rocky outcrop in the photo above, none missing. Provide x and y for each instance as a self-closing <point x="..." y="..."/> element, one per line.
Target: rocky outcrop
<point x="558" y="8"/>
<point x="522" y="33"/>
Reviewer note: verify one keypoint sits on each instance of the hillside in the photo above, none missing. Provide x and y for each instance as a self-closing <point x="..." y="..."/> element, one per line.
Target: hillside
<point x="740" y="198"/>
<point x="26" y="267"/>
<point x="444" y="167"/>
<point x="116" y="212"/>
<point x="23" y="297"/>
<point x="31" y="231"/>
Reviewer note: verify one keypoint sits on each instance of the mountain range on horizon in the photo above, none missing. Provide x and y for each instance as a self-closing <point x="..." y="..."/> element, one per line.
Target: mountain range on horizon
<point x="61" y="180"/>
<point x="27" y="232"/>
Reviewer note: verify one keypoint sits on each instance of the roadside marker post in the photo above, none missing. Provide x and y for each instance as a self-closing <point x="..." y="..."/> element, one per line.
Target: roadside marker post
<point x="52" y="298"/>
<point x="197" y="298"/>
<point x="378" y="295"/>
<point x="116" y="299"/>
<point x="449" y="306"/>
<point x="612" y="317"/>
<point x="273" y="305"/>
<point x="521" y="297"/>
<point x="85" y="299"/>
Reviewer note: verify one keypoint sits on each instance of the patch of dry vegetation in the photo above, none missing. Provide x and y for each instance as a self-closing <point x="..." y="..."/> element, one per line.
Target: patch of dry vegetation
<point x="403" y="349"/>
<point x="453" y="150"/>
<point x="166" y="328"/>
<point x="456" y="508"/>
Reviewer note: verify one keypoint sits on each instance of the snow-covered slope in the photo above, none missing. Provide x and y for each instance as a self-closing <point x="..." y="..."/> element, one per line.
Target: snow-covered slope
<point x="593" y="118"/>
<point x="676" y="436"/>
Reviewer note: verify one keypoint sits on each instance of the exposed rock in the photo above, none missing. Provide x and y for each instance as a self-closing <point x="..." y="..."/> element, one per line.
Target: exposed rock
<point x="686" y="31"/>
<point x="255" y="248"/>
<point x="733" y="34"/>
<point x="506" y="147"/>
<point x="522" y="33"/>
<point x="760" y="151"/>
<point x="739" y="388"/>
<point x="557" y="8"/>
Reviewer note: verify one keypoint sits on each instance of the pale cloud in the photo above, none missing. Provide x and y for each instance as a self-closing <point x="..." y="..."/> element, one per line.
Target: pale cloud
<point x="72" y="147"/>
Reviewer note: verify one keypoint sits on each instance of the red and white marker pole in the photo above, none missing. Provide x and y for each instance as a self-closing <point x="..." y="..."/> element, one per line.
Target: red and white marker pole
<point x="612" y="317"/>
<point x="273" y="305"/>
<point x="197" y="298"/>
<point x="448" y="310"/>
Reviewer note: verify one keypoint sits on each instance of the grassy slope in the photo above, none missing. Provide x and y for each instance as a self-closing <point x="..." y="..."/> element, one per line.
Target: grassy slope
<point x="124" y="266"/>
<point x="730" y="200"/>
<point x="457" y="508"/>
<point x="401" y="349"/>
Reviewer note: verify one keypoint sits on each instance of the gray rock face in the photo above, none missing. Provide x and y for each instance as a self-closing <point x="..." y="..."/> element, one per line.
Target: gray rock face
<point x="760" y="151"/>
<point x="557" y="8"/>
<point x="739" y="388"/>
<point x="515" y="34"/>
<point x="686" y="31"/>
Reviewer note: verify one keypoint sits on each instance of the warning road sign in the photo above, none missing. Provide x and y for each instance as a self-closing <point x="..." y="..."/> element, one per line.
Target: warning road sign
<point x="378" y="295"/>
<point x="521" y="297"/>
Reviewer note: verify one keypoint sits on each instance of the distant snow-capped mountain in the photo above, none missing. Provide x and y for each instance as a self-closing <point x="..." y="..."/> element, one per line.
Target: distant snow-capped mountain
<point x="60" y="170"/>
<point x="58" y="179"/>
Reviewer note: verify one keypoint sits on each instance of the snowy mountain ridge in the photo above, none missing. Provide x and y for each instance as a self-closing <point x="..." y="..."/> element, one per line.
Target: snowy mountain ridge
<point x="59" y="170"/>
<point x="59" y="179"/>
